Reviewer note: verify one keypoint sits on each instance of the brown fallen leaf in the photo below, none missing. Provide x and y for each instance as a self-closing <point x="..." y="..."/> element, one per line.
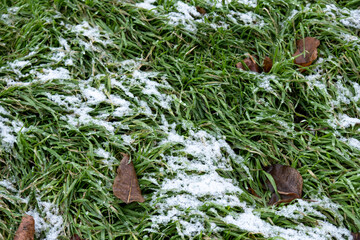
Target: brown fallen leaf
<point x="309" y="45"/>
<point x="201" y="10"/>
<point x="356" y="236"/>
<point x="289" y="183"/>
<point x="26" y="229"/>
<point x="268" y="63"/>
<point x="75" y="237"/>
<point x="250" y="63"/>
<point x="126" y="185"/>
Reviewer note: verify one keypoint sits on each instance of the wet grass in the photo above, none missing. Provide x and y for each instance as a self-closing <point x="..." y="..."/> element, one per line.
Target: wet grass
<point x="288" y="125"/>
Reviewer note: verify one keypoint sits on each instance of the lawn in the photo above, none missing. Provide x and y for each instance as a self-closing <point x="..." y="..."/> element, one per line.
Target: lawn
<point x="84" y="81"/>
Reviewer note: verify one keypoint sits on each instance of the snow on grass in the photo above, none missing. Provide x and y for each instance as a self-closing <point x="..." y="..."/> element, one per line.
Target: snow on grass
<point x="248" y="3"/>
<point x="264" y="82"/>
<point x="246" y="19"/>
<point x="185" y="189"/>
<point x="345" y="121"/>
<point x="349" y="38"/>
<point x="94" y="34"/>
<point x="8" y="17"/>
<point x="352" y="142"/>
<point x="353" y="20"/>
<point x="47" y="220"/>
<point x="349" y="18"/>
<point x="301" y="208"/>
<point x="147" y="4"/>
<point x="186" y="15"/>
<point x="108" y="159"/>
<point x="8" y="130"/>
<point x="48" y="74"/>
<point x="8" y="185"/>
<point x="343" y="94"/>
<point x="252" y="222"/>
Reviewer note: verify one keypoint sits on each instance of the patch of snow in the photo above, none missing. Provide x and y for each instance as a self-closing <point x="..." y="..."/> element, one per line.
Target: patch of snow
<point x="8" y="185"/>
<point x="127" y="140"/>
<point x="247" y="19"/>
<point x="8" y="130"/>
<point x="353" y="20"/>
<point x="47" y="219"/>
<point x="352" y="142"/>
<point x="192" y="177"/>
<point x="92" y="33"/>
<point x="251" y="222"/>
<point x="349" y="38"/>
<point x="147" y="4"/>
<point x="249" y="3"/>
<point x="186" y="16"/>
<point x="52" y="74"/>
<point x="264" y="82"/>
<point x="108" y="159"/>
<point x="345" y="121"/>
<point x="94" y="96"/>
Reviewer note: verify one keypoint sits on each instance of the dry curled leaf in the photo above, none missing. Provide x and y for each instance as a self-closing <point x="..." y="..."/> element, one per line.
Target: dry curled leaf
<point x="289" y="183"/>
<point x="309" y="45"/>
<point x="250" y="63"/>
<point x="126" y="185"/>
<point x="201" y="10"/>
<point x="26" y="229"/>
<point x="268" y="63"/>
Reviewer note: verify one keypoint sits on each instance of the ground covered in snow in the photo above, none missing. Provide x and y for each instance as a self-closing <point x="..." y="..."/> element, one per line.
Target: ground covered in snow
<point x="83" y="81"/>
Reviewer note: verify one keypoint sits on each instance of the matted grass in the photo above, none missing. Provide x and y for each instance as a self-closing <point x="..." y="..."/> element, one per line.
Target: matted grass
<point x="73" y="94"/>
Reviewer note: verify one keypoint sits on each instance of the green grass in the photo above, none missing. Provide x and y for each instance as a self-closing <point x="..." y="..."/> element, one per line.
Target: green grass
<point x="56" y="162"/>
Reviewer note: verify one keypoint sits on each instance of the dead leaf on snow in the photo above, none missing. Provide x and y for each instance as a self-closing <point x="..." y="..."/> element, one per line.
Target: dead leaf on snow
<point x="126" y="185"/>
<point x="309" y="45"/>
<point x="26" y="229"/>
<point x="250" y="63"/>
<point x="289" y="183"/>
<point x="268" y="63"/>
